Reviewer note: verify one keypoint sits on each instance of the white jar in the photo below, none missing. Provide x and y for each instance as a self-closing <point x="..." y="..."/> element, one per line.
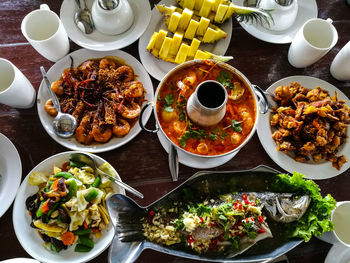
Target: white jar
<point x="112" y="21"/>
<point x="340" y="67"/>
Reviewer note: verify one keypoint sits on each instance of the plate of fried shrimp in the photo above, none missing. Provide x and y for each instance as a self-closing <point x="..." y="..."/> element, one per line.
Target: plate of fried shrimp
<point x="104" y="91"/>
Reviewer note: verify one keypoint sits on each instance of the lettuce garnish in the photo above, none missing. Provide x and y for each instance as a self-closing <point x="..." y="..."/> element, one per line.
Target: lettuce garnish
<point x="316" y="219"/>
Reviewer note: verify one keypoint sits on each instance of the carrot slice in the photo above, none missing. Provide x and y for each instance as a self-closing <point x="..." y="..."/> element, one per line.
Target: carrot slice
<point x="85" y="225"/>
<point x="68" y="238"/>
<point x="54" y="185"/>
<point x="45" y="207"/>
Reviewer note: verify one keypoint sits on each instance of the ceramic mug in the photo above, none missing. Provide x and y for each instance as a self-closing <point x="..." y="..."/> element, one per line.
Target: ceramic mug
<point x="313" y="40"/>
<point x="341" y="233"/>
<point x="340" y="67"/>
<point x="15" y="89"/>
<point x="45" y="32"/>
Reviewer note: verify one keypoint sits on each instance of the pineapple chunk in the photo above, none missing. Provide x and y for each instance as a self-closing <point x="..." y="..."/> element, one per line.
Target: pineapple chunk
<point x="166" y="10"/>
<point x="209" y="35"/>
<point x="152" y="41"/>
<point x="177" y="39"/>
<point x="220" y="14"/>
<point x="189" y="4"/>
<point x="229" y="12"/>
<point x="197" y="4"/>
<point x="174" y="21"/>
<point x="206" y="8"/>
<point x="185" y="19"/>
<point x="194" y="47"/>
<point x="191" y="29"/>
<point x="160" y="38"/>
<point x="164" y="50"/>
<point x="203" y="25"/>
<point x="202" y="55"/>
<point x="182" y="54"/>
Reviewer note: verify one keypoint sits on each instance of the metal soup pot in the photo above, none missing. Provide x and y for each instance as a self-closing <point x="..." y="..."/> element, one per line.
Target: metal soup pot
<point x="260" y="102"/>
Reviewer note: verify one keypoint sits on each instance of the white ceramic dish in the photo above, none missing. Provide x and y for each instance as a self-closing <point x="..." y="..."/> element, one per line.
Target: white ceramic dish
<point x="159" y="68"/>
<point x="98" y="40"/>
<point x="338" y="254"/>
<point x="312" y="170"/>
<point x="78" y="57"/>
<point x="307" y="9"/>
<point x="28" y="236"/>
<point x="20" y="260"/>
<point x="10" y="171"/>
<point x="194" y="161"/>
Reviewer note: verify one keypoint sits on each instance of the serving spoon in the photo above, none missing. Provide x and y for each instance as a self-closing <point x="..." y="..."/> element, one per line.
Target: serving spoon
<point x="83" y="18"/>
<point x="85" y="158"/>
<point x="63" y="124"/>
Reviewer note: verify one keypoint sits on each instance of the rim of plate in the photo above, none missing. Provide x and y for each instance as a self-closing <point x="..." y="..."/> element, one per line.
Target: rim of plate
<point x="21" y="221"/>
<point x="79" y="56"/>
<point x="306" y="10"/>
<point x="9" y="184"/>
<point x="99" y="41"/>
<point x="158" y="68"/>
<point x="316" y="171"/>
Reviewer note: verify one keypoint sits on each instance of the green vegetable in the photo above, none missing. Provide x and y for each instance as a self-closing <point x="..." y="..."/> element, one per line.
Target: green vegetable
<point x="76" y="164"/>
<point x="54" y="248"/>
<point x="168" y="109"/>
<point x="315" y="221"/>
<point x="225" y="79"/>
<point x="236" y="125"/>
<point x="53" y="209"/>
<point x="91" y="195"/>
<point x="72" y="189"/>
<point x="212" y="137"/>
<point x="39" y="212"/>
<point x="82" y="231"/>
<point x="97" y="182"/>
<point x="168" y="101"/>
<point x="65" y="175"/>
<point x="82" y="248"/>
<point x="195" y="134"/>
<point x="86" y="241"/>
<point x="251" y="232"/>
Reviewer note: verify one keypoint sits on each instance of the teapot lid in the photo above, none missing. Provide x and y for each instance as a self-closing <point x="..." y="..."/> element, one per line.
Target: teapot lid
<point x="108" y="4"/>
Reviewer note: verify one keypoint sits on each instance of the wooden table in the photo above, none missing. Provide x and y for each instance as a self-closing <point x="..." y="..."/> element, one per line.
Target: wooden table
<point x="143" y="163"/>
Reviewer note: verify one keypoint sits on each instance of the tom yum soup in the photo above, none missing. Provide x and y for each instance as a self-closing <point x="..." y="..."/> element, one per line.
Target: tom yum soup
<point x="236" y="124"/>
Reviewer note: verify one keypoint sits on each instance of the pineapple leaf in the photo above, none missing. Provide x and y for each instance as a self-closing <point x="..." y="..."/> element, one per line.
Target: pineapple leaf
<point x="254" y="15"/>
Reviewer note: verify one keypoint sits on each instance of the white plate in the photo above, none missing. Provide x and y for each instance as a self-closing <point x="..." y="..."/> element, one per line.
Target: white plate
<point x="28" y="236"/>
<point x="78" y="57"/>
<point x="10" y="171"/>
<point x="307" y="9"/>
<point x="194" y="161"/>
<point x="20" y="260"/>
<point x="312" y="170"/>
<point x="157" y="67"/>
<point x="338" y="254"/>
<point x="98" y="40"/>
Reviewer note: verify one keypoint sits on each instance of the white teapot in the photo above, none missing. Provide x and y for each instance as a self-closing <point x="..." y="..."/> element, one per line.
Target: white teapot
<point x="283" y="12"/>
<point x="112" y="17"/>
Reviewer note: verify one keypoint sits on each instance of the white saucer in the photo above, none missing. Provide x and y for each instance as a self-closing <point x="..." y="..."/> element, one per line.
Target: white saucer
<point x="157" y="67"/>
<point x="307" y="9"/>
<point x="338" y="254"/>
<point x="11" y="173"/>
<point x="312" y="170"/>
<point x="102" y="42"/>
<point x="20" y="260"/>
<point x="194" y="161"/>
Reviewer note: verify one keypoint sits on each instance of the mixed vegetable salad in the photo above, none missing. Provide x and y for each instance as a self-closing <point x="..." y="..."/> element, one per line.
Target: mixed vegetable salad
<point x="70" y="206"/>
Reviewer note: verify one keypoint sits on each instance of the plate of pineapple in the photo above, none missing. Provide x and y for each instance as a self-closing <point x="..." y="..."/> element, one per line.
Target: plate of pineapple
<point x="184" y="30"/>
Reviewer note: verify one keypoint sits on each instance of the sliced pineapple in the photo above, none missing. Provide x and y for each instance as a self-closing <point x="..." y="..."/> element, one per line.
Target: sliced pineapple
<point x="175" y="50"/>
<point x="183" y="21"/>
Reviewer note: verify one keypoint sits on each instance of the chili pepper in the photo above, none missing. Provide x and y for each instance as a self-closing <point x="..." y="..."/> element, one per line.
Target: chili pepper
<point x="246" y="202"/>
<point x="260" y="231"/>
<point x="261" y="219"/>
<point x="244" y="196"/>
<point x="202" y="220"/>
<point x="150" y="216"/>
<point x="240" y="207"/>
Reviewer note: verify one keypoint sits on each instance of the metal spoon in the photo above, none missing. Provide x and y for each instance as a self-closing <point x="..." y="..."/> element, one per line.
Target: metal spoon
<point x="63" y="124"/>
<point x="85" y="158"/>
<point x="83" y="18"/>
<point x="173" y="163"/>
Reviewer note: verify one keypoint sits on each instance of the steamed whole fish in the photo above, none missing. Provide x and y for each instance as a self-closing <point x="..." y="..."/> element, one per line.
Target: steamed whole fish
<point x="229" y="224"/>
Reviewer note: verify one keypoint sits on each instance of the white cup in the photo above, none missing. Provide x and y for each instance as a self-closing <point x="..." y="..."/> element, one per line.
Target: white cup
<point x="45" y="32"/>
<point x="15" y="88"/>
<point x="340" y="67"/>
<point x="313" y="40"/>
<point x="341" y="233"/>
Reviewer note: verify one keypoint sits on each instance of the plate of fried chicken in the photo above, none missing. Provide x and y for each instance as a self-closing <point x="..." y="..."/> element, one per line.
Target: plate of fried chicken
<point x="104" y="91"/>
<point x="307" y="130"/>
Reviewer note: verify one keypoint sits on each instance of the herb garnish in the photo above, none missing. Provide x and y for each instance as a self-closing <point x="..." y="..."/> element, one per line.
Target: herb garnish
<point x="236" y="125"/>
<point x="225" y="79"/>
<point x="168" y="101"/>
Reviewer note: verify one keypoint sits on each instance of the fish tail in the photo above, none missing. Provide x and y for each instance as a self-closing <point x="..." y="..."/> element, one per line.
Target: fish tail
<point x="126" y="217"/>
<point x="124" y="252"/>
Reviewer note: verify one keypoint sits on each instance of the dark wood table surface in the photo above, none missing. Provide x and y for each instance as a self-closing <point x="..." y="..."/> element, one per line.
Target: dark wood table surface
<point x="143" y="163"/>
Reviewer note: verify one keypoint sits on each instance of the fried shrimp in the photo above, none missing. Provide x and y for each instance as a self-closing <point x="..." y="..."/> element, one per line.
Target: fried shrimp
<point x="125" y="73"/>
<point x="50" y="109"/>
<point x="121" y="128"/>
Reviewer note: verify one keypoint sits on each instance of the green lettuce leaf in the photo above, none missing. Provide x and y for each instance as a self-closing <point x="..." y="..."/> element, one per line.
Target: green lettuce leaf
<point x="316" y="219"/>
